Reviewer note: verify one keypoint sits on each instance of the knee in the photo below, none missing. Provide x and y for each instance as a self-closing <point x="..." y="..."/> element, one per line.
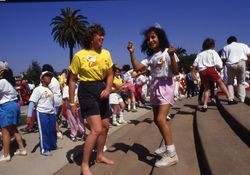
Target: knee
<point x="158" y="121"/>
<point x="96" y="131"/>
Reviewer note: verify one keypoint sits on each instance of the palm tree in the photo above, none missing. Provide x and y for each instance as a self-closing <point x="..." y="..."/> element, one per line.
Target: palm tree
<point x="68" y="29"/>
<point x="181" y="52"/>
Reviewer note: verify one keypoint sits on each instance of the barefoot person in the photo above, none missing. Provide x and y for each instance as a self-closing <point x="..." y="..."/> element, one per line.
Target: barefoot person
<point x="162" y="62"/>
<point x="93" y="67"/>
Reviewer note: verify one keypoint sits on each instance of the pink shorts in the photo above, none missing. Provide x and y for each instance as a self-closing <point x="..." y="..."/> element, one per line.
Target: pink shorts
<point x="130" y="88"/>
<point x="162" y="91"/>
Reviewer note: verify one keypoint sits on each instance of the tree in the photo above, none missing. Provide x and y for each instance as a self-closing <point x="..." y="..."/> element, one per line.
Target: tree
<point x="68" y="29"/>
<point x="33" y="73"/>
<point x="180" y="52"/>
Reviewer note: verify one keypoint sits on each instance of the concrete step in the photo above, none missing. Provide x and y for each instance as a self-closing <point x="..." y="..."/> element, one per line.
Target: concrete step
<point x="140" y="158"/>
<point x="237" y="116"/>
<point x="220" y="150"/>
<point x="118" y="143"/>
<point x="247" y="99"/>
<point x="183" y="135"/>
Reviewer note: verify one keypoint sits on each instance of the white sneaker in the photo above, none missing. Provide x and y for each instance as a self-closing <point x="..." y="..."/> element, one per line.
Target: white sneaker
<point x="122" y="121"/>
<point x="129" y="107"/>
<point x="134" y="109"/>
<point x="168" y="118"/>
<point x="6" y="159"/>
<point x="20" y="153"/>
<point x="105" y="148"/>
<point x="167" y="159"/>
<point x="115" y="123"/>
<point x="161" y="150"/>
<point x="59" y="135"/>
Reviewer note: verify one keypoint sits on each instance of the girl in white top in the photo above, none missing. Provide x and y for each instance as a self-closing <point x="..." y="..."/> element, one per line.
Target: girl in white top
<point x="162" y="63"/>
<point x="77" y="129"/>
<point x="9" y="112"/>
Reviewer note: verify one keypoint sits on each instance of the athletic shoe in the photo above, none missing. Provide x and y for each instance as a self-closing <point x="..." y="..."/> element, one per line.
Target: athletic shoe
<point x="4" y="159"/>
<point x="167" y="159"/>
<point x="161" y="150"/>
<point x="47" y="153"/>
<point x="122" y="121"/>
<point x="203" y="109"/>
<point x="105" y="148"/>
<point x="20" y="153"/>
<point x="73" y="139"/>
<point x="59" y="135"/>
<point x="115" y="123"/>
<point x="232" y="102"/>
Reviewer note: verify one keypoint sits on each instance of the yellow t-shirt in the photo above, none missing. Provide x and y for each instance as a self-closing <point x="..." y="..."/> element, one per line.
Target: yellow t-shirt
<point x="89" y="65"/>
<point x="116" y="81"/>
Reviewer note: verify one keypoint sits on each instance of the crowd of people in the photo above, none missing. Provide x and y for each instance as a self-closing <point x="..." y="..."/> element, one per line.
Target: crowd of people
<point x="94" y="92"/>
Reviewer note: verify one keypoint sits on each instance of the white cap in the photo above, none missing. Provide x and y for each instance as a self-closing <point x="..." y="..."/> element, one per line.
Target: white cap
<point x="45" y="73"/>
<point x="3" y="65"/>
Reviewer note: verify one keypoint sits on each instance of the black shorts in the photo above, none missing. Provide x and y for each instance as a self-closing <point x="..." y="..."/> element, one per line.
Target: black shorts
<point x="90" y="101"/>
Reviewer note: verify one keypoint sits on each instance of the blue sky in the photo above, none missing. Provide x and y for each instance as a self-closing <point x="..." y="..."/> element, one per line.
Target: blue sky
<point x="25" y="31"/>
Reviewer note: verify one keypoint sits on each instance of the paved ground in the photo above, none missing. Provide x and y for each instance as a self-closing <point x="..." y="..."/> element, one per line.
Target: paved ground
<point x="132" y="146"/>
<point x="34" y="163"/>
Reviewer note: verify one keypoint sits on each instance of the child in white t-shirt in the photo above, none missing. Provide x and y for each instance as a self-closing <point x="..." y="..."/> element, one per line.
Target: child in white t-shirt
<point x="42" y="98"/>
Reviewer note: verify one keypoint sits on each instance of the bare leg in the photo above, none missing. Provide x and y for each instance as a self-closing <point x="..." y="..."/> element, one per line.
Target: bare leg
<point x="160" y="113"/>
<point x="206" y="94"/>
<point x="95" y="125"/>
<point x="18" y="137"/>
<point x="100" y="158"/>
<point x="224" y="88"/>
<point x="6" y="141"/>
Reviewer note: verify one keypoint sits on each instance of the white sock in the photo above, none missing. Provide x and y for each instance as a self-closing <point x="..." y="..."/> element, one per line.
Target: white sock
<point x="171" y="148"/>
<point x="121" y="115"/>
<point x="114" y="118"/>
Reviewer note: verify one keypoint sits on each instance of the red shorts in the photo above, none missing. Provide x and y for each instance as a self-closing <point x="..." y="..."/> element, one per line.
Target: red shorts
<point x="208" y="75"/>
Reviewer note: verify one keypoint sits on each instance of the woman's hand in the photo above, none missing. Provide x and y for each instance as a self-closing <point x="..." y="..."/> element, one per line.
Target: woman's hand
<point x="105" y="93"/>
<point x="74" y="110"/>
<point x="131" y="47"/>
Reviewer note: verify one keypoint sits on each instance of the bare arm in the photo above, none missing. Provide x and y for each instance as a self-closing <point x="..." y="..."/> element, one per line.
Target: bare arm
<point x="174" y="65"/>
<point x="72" y="86"/>
<point x="109" y="82"/>
<point x="136" y="65"/>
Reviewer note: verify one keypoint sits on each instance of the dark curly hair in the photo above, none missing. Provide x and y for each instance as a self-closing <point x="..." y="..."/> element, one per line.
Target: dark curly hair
<point x="8" y="75"/>
<point x="89" y="34"/>
<point x="163" y="40"/>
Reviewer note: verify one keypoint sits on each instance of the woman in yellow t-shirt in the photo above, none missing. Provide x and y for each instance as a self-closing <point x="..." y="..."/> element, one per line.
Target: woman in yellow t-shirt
<point x="92" y="66"/>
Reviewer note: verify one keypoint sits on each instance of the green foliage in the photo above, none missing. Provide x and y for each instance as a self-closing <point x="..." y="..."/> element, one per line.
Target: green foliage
<point x="33" y="73"/>
<point x="68" y="28"/>
<point x="187" y="61"/>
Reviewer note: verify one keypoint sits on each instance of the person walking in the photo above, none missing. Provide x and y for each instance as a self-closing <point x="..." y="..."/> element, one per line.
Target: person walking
<point x="93" y="67"/>
<point x="9" y="113"/>
<point x="55" y="87"/>
<point x="162" y="62"/>
<point x="208" y="62"/>
<point x="235" y="55"/>
<point x="42" y="100"/>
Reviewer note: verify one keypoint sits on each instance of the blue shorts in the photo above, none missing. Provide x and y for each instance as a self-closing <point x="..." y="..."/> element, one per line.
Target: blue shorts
<point x="9" y="114"/>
